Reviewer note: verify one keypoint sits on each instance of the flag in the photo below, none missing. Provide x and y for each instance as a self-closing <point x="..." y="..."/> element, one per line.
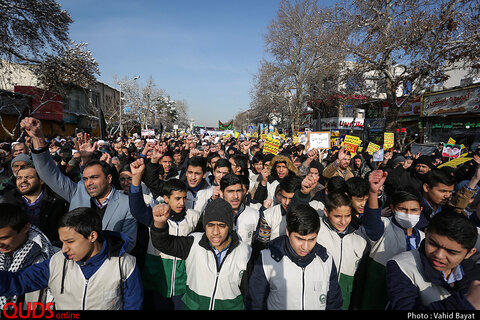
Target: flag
<point x="102" y="123"/>
<point x="228" y="126"/>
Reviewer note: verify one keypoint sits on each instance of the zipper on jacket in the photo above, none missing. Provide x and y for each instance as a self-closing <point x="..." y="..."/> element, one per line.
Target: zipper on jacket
<point x="212" y="299"/>
<point x="85" y="286"/>
<point x="303" y="288"/>
<point x="219" y="266"/>
<point x="174" y="267"/>
<point x="341" y="258"/>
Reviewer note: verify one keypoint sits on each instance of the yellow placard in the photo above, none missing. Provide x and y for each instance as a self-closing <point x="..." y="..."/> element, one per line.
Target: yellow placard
<point x="451" y="141"/>
<point x="352" y="148"/>
<point x="352" y="140"/>
<point x="271" y="146"/>
<point x="455" y="162"/>
<point x="388" y="140"/>
<point x="372" y="148"/>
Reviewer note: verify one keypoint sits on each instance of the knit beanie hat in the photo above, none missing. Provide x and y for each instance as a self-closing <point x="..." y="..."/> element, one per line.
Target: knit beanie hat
<point x="22" y="157"/>
<point x="218" y="210"/>
<point x="424" y="159"/>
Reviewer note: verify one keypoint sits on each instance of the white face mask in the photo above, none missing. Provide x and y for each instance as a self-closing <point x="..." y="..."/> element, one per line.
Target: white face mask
<point x="406" y="220"/>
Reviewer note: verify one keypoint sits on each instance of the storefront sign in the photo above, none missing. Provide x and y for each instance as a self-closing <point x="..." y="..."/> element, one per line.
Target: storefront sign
<point x="410" y="108"/>
<point x="450" y="102"/>
<point x="350" y="123"/>
<point x="342" y="123"/>
<point x="456" y="125"/>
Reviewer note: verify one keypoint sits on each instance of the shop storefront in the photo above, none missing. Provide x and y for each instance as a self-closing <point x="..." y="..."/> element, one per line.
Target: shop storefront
<point x="453" y="114"/>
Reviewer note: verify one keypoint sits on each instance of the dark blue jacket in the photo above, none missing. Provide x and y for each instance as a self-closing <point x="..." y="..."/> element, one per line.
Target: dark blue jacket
<point x="36" y="277"/>
<point x="403" y="295"/>
<point x="281" y="247"/>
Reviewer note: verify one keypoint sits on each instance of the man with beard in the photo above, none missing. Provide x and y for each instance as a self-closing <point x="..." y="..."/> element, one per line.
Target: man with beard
<point x="339" y="167"/>
<point x="43" y="207"/>
<point x="414" y="176"/>
<point x="94" y="191"/>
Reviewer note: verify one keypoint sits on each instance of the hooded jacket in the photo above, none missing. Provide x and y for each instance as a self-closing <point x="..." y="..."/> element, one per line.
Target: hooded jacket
<point x="268" y="192"/>
<point x="399" y="177"/>
<point x="108" y="280"/>
<point x="363" y="170"/>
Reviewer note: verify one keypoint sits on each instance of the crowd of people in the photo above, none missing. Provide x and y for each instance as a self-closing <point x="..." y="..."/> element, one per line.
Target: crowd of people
<point x="200" y="222"/>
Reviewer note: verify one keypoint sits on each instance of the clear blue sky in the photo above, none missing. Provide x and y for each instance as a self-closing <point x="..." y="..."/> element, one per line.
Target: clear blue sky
<point x="203" y="51"/>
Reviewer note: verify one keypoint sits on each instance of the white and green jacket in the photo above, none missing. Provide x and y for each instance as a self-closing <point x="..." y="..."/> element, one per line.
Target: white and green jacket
<point x="383" y="247"/>
<point x="165" y="273"/>
<point x="245" y="223"/>
<point x="347" y="250"/>
<point x="210" y="286"/>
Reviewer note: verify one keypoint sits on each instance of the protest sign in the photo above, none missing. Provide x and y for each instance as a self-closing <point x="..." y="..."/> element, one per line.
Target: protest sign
<point x="352" y="140"/>
<point x="352" y="148"/>
<point x="451" y="150"/>
<point x="271" y="146"/>
<point x="372" y="148"/>
<point x="319" y="140"/>
<point x="147" y="132"/>
<point x="424" y="149"/>
<point x="378" y="155"/>
<point x="455" y="162"/>
<point x="388" y="140"/>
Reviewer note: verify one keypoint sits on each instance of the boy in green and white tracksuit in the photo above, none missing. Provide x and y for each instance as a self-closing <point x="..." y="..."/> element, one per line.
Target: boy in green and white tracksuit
<point x="163" y="274"/>
<point x="347" y="248"/>
<point x="216" y="260"/>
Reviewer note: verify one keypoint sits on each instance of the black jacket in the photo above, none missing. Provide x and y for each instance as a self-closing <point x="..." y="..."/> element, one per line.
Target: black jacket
<point x="52" y="208"/>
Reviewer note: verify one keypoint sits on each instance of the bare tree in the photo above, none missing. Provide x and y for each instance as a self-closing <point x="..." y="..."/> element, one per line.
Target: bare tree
<point x="268" y="94"/>
<point x="150" y="106"/>
<point x="29" y="29"/>
<point x="409" y="43"/>
<point x="302" y="45"/>
<point x="35" y="33"/>
<point x="73" y="67"/>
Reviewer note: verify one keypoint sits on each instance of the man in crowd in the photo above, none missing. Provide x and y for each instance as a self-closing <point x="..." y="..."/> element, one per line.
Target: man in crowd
<point x="94" y="191"/>
<point x="21" y="245"/>
<point x="43" y="207"/>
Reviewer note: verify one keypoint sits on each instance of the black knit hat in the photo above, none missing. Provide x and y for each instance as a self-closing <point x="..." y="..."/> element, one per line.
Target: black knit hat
<point x="218" y="210"/>
<point x="424" y="159"/>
